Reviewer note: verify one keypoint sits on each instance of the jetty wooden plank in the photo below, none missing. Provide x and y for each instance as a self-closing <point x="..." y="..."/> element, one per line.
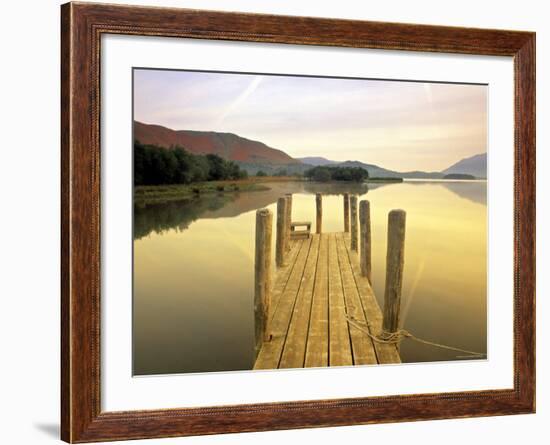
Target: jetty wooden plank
<point x="317" y="340"/>
<point x="270" y="354"/>
<point x="362" y="347"/>
<point x="302" y="233"/>
<point x="283" y="274"/>
<point x="295" y="224"/>
<point x="313" y="293"/>
<point x="294" y="350"/>
<point x="385" y="353"/>
<point x="339" y="342"/>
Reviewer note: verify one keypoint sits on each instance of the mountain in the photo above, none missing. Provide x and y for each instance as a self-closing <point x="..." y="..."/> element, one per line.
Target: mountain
<point x="474" y="165"/>
<point x="227" y="145"/>
<point x="374" y="170"/>
<point x="317" y="161"/>
<point x="254" y="155"/>
<point x="380" y="172"/>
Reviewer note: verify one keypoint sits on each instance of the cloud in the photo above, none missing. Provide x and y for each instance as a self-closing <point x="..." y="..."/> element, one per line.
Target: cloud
<point x="400" y="125"/>
<point x="233" y="106"/>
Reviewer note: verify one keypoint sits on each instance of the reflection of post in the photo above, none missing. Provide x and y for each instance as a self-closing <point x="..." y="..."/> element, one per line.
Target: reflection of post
<point x="288" y="197"/>
<point x="319" y="208"/>
<point x="262" y="276"/>
<point x="394" y="270"/>
<point x="281" y="232"/>
<point x="365" y="239"/>
<point x="346" y="212"/>
<point x="353" y="215"/>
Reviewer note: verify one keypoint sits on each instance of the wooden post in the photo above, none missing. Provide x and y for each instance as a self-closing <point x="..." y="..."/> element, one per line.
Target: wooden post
<point x="353" y="225"/>
<point x="365" y="239"/>
<point x="281" y="232"/>
<point x="346" y="212"/>
<point x="319" y="206"/>
<point x="394" y="270"/>
<point x="262" y="276"/>
<point x="288" y="197"/>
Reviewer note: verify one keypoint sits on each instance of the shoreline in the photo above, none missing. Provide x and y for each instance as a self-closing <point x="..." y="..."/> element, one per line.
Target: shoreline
<point x="149" y="194"/>
<point x="443" y="180"/>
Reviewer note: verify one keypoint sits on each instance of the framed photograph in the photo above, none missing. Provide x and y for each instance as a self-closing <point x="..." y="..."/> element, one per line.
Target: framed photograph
<point x="274" y="222"/>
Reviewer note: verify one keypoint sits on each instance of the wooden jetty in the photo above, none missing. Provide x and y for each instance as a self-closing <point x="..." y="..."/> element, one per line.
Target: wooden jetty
<point x="319" y="308"/>
<point x="302" y="233"/>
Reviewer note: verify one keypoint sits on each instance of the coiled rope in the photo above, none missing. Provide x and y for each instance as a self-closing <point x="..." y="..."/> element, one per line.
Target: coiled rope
<point x="401" y="334"/>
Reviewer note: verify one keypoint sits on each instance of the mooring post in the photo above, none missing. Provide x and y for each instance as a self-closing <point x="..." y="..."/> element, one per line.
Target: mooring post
<point x="353" y="216"/>
<point x="319" y="207"/>
<point x="365" y="239"/>
<point x="394" y="270"/>
<point x="288" y="197"/>
<point x="346" y="212"/>
<point x="280" y="243"/>
<point x="262" y="276"/>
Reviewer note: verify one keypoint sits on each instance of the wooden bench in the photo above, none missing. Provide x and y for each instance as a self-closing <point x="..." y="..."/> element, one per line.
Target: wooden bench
<point x="300" y="234"/>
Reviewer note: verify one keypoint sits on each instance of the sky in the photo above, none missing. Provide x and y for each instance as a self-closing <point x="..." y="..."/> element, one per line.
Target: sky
<point x="397" y="125"/>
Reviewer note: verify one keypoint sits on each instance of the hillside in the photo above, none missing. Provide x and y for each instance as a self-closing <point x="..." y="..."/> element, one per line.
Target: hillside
<point x="380" y="172"/>
<point x="317" y="161"/>
<point x="254" y="155"/>
<point x="474" y="165"/>
<point x="463" y="176"/>
<point x="228" y="145"/>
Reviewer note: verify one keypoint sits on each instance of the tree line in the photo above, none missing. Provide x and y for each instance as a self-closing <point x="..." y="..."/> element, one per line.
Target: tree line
<point x="326" y="173"/>
<point x="155" y="165"/>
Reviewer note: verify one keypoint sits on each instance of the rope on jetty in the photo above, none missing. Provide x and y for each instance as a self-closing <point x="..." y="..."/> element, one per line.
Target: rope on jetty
<point x="401" y="334"/>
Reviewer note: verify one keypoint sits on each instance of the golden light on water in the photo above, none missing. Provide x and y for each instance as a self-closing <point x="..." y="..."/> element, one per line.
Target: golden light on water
<point x="193" y="287"/>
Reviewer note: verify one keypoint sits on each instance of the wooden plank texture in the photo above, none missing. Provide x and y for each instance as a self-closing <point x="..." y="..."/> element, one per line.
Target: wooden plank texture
<point x="295" y="345"/>
<point x="385" y="353"/>
<point x="313" y="294"/>
<point x="362" y="345"/>
<point x="339" y="340"/>
<point x="283" y="274"/>
<point x="317" y="341"/>
<point x="270" y="354"/>
<point x="263" y="276"/>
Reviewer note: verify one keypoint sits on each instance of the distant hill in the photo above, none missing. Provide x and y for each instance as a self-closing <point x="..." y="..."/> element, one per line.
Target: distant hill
<point x="374" y="170"/>
<point x="317" y="161"/>
<point x="254" y="155"/>
<point x="474" y="165"/>
<point x="380" y="172"/>
<point x="227" y="145"/>
<point x="459" y="176"/>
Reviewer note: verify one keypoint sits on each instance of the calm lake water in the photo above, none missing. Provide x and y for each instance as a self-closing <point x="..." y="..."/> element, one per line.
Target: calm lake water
<point x="193" y="270"/>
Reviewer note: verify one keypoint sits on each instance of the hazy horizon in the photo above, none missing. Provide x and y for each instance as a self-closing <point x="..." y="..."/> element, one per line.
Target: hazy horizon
<point x="398" y="125"/>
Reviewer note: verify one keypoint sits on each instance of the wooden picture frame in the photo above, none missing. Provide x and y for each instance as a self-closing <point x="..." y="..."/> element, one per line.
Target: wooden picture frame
<point x="82" y="26"/>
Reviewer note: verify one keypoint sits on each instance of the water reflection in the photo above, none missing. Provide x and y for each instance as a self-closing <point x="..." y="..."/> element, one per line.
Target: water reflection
<point x="475" y="191"/>
<point x="466" y="190"/>
<point x="193" y="270"/>
<point x="159" y="217"/>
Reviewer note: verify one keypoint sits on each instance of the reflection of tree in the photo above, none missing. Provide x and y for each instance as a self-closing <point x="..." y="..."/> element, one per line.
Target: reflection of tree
<point x="336" y="188"/>
<point x="160" y="217"/>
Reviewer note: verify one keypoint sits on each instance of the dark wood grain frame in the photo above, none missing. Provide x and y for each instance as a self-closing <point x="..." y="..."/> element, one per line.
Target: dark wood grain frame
<point x="82" y="26"/>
